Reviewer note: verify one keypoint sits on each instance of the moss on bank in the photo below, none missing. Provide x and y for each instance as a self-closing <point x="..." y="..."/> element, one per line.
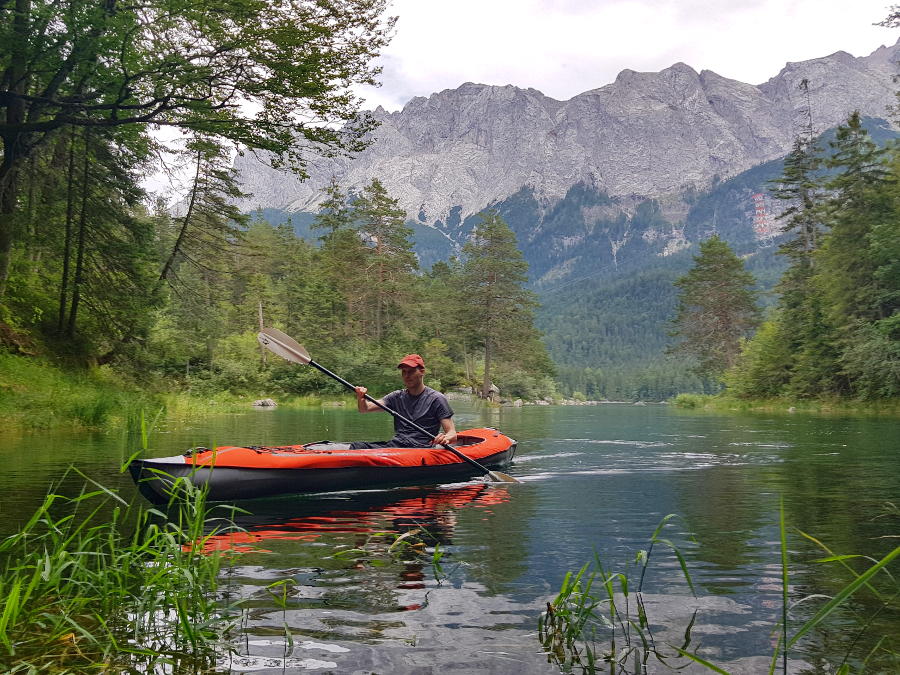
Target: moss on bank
<point x="725" y="403"/>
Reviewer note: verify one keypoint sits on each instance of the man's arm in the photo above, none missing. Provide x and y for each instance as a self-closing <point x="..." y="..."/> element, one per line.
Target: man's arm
<point x="363" y="405"/>
<point x="448" y="432"/>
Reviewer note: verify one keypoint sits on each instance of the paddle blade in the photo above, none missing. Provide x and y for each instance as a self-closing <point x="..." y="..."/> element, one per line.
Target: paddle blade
<point x="500" y="477"/>
<point x="283" y="345"/>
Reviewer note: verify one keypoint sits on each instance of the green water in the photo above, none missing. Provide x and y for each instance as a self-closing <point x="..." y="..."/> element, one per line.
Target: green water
<point x="594" y="479"/>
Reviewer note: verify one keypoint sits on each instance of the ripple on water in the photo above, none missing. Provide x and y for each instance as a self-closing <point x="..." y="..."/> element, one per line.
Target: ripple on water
<point x="535" y="458"/>
<point x="602" y="441"/>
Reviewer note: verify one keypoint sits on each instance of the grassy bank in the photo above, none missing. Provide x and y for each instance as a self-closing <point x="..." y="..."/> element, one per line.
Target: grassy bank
<point x="725" y="403"/>
<point x="35" y="394"/>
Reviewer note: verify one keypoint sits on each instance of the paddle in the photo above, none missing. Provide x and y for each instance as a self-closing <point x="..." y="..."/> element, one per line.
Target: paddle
<point x="287" y="348"/>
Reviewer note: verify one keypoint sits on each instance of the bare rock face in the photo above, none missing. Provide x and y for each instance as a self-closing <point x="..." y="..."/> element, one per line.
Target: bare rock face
<point x="646" y="134"/>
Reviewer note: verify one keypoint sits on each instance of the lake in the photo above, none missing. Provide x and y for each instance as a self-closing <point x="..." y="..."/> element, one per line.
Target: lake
<point x="596" y="480"/>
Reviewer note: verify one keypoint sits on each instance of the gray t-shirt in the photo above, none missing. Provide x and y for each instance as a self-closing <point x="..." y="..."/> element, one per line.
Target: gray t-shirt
<point x="427" y="410"/>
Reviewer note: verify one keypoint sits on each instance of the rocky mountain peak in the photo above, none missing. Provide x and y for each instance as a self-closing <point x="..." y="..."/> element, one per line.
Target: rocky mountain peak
<point x="649" y="134"/>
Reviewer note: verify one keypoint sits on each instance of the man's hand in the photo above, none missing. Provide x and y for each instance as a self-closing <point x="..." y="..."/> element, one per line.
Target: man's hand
<point x="445" y="437"/>
<point x="362" y="405"/>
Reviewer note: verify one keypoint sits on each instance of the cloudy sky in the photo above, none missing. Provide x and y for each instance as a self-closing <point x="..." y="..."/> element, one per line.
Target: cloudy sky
<point x="565" y="47"/>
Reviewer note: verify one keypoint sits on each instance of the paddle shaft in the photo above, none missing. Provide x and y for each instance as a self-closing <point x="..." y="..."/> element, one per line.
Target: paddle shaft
<point x="446" y="446"/>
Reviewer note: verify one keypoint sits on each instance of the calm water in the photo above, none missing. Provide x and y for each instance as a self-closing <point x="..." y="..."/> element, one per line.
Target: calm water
<point x="594" y="480"/>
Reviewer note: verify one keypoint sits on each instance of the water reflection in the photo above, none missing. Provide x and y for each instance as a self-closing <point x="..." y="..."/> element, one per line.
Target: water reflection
<point x="384" y="511"/>
<point x="328" y="571"/>
<point x="595" y="480"/>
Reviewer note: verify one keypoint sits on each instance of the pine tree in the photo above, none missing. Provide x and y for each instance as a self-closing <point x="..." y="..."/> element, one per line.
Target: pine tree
<point x="390" y="263"/>
<point x="860" y="201"/>
<point x="716" y="308"/>
<point x="855" y="265"/>
<point x="341" y="262"/>
<point x="800" y="186"/>
<point x="499" y="310"/>
<point x="335" y="215"/>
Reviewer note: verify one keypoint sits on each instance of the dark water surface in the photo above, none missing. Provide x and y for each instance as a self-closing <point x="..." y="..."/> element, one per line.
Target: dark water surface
<point x="595" y="479"/>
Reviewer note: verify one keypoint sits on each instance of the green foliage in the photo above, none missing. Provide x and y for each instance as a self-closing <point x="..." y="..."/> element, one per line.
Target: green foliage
<point x="518" y="383"/>
<point x="834" y="331"/>
<point x="124" y="68"/>
<point x="689" y="401"/>
<point x="871" y="359"/>
<point x="765" y="364"/>
<point x="92" y="583"/>
<point x="716" y="308"/>
<point x="356" y="302"/>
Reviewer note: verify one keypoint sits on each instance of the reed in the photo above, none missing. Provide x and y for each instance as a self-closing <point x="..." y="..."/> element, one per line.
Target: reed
<point x="93" y="583"/>
<point x="598" y="621"/>
<point x="594" y="626"/>
<point x="877" y="580"/>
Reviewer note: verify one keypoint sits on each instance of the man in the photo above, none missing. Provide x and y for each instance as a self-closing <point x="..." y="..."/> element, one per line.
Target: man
<point x="423" y="405"/>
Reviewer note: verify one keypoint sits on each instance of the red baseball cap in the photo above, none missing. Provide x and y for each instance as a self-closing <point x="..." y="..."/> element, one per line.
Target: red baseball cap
<point x="412" y="361"/>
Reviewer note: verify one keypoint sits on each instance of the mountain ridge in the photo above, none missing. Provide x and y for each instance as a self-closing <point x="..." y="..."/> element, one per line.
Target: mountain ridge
<point x="646" y="134"/>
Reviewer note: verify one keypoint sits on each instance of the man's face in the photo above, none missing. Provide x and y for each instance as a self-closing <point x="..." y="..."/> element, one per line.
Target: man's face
<point x="412" y="377"/>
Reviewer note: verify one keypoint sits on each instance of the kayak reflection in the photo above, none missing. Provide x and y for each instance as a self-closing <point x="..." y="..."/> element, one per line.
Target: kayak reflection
<point x="432" y="511"/>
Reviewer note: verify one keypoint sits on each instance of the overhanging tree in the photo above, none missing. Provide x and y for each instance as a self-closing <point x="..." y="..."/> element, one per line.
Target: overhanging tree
<point x="274" y="76"/>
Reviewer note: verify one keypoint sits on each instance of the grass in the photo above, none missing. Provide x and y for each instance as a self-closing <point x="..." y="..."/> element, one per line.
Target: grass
<point x="598" y="622"/>
<point x="725" y="403"/>
<point x="35" y="394"/>
<point x="93" y="584"/>
<point x="593" y="626"/>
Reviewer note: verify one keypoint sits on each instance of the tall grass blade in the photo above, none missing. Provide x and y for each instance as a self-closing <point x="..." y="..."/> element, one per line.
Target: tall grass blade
<point x="843" y="595"/>
<point x="784" y="585"/>
<point x="703" y="662"/>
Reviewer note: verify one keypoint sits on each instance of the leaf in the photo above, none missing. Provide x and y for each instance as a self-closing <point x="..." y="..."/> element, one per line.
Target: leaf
<point x="700" y="660"/>
<point x="835" y="558"/>
<point x="844" y="594"/>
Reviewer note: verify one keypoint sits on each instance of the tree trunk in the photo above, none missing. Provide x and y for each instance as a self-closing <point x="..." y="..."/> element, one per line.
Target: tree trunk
<point x="486" y="385"/>
<point x="67" y="249"/>
<point x="14" y="147"/>
<point x="82" y="236"/>
<point x="188" y="216"/>
<point x="8" y="200"/>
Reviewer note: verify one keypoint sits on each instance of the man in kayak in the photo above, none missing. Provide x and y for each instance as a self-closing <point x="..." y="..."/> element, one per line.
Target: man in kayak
<point x="423" y="405"/>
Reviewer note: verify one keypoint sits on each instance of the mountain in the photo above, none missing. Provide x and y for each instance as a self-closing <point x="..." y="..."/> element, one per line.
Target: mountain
<point x="608" y="192"/>
<point x="657" y="136"/>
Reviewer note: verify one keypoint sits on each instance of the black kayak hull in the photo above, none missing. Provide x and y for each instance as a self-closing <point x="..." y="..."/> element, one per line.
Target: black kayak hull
<point x="155" y="479"/>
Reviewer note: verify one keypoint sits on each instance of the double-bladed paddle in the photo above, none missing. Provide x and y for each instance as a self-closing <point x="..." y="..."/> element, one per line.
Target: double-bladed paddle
<point x="288" y="348"/>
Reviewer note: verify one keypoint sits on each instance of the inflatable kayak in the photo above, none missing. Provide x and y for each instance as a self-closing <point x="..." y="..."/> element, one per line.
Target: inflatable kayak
<point x="232" y="472"/>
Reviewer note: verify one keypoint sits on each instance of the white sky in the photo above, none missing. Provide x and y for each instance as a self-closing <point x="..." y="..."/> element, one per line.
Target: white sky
<point x="565" y="47"/>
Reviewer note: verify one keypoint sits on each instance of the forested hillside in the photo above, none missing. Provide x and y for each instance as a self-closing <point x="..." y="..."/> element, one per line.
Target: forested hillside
<point x="93" y="273"/>
<point x="170" y="296"/>
<point x="607" y="299"/>
<point x="615" y="319"/>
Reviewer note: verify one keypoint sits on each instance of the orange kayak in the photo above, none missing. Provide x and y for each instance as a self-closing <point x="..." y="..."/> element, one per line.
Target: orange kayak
<point x="232" y="472"/>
